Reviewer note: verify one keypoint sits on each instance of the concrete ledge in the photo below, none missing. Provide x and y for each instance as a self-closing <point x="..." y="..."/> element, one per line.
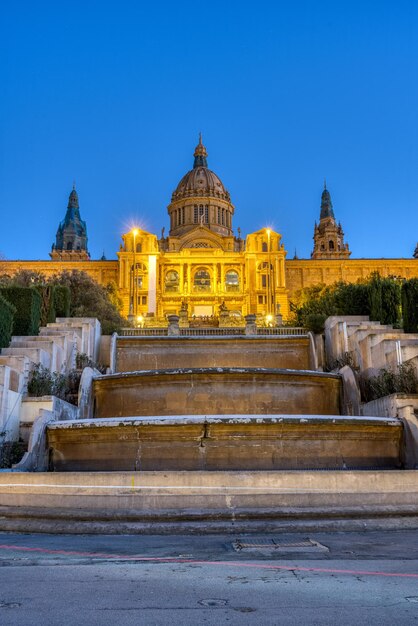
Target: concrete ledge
<point x="196" y="502"/>
<point x="230" y="442"/>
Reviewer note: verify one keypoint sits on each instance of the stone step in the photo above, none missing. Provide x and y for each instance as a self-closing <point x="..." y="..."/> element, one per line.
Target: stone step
<point x="36" y="355"/>
<point x="220" y="501"/>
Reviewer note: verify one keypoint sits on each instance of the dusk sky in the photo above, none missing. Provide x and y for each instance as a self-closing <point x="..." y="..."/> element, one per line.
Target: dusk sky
<point x="113" y="96"/>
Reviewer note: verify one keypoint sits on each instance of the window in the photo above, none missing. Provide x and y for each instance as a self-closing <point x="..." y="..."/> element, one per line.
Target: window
<point x="140" y="275"/>
<point x="264" y="280"/>
<point x="219" y="215"/>
<point x="331" y="245"/>
<point x="264" y="247"/>
<point x="139" y="247"/>
<point x="231" y="281"/>
<point x="201" y="280"/>
<point x="261" y="299"/>
<point x="172" y="281"/>
<point x="201" y="214"/>
<point x="70" y="245"/>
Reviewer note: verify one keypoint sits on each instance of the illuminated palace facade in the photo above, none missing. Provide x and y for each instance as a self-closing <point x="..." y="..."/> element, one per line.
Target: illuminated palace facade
<point x="201" y="268"/>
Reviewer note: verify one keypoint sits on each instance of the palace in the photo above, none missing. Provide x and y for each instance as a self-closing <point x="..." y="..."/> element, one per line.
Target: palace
<point x="202" y="269"/>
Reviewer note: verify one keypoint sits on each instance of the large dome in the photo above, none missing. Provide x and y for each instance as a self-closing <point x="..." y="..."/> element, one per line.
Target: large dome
<point x="200" y="181"/>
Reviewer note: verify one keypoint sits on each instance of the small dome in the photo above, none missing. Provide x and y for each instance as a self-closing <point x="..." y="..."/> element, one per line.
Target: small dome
<point x="200" y="181"/>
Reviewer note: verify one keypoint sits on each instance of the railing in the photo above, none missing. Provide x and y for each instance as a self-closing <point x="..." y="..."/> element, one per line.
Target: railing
<point x="279" y="331"/>
<point x="202" y="332"/>
<point x="282" y="331"/>
<point x="143" y="332"/>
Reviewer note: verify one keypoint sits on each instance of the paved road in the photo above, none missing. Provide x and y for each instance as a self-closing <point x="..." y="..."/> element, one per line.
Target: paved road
<point x="341" y="578"/>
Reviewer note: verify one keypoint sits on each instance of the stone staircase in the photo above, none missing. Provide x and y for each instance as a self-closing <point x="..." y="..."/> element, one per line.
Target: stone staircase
<point x="55" y="348"/>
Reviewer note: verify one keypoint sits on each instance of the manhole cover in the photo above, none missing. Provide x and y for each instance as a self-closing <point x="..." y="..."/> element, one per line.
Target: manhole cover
<point x="274" y="545"/>
<point x="213" y="602"/>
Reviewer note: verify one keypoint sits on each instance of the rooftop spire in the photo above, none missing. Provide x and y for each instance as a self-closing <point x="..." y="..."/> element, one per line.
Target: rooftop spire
<point x="326" y="204"/>
<point x="73" y="199"/>
<point x="200" y="154"/>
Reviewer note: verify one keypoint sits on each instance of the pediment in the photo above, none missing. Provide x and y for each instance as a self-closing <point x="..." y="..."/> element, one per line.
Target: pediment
<point x="201" y="237"/>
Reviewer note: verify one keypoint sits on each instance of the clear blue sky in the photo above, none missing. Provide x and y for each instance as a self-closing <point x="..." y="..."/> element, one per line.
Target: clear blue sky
<point x="113" y="95"/>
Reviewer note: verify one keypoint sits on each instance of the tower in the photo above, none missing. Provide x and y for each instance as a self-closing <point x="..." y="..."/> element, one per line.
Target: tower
<point x="71" y="238"/>
<point x="328" y="235"/>
<point x="200" y="199"/>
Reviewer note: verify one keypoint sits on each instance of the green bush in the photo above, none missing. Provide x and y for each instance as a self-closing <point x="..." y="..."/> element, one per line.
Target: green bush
<point x="410" y="305"/>
<point x="27" y="302"/>
<point x="43" y="382"/>
<point x="315" y="322"/>
<point x="402" y="380"/>
<point x="47" y="303"/>
<point x="7" y="312"/>
<point x="62" y="300"/>
<point x="377" y="297"/>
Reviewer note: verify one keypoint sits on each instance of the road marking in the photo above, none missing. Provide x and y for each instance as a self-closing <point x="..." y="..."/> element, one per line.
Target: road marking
<point x="162" y="559"/>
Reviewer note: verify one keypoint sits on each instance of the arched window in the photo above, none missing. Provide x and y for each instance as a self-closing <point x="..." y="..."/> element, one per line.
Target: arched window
<point x="201" y="280"/>
<point x="264" y="247"/>
<point x="69" y="245"/>
<point x="232" y="281"/>
<point x="139" y="247"/>
<point x="172" y="281"/>
<point x="331" y="245"/>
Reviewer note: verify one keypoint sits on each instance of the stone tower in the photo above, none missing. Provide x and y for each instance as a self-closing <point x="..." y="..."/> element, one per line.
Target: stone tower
<point x="328" y="235"/>
<point x="71" y="238"/>
<point x="415" y="255"/>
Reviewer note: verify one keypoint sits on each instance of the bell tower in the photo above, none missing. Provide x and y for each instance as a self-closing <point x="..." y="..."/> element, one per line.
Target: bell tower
<point x="328" y="235"/>
<point x="71" y="239"/>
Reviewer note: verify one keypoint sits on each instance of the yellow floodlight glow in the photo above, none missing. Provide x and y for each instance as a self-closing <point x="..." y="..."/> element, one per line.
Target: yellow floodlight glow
<point x="135" y="232"/>
<point x="269" y="318"/>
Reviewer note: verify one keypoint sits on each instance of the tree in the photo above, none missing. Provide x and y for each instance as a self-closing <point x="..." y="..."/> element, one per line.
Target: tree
<point x="89" y="299"/>
<point x="410" y="305"/>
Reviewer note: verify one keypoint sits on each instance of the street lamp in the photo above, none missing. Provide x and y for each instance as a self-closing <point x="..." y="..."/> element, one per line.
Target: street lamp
<point x="134" y="290"/>
<point x="269" y="286"/>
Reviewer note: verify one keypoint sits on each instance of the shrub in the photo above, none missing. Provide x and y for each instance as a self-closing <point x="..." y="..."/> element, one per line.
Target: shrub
<point x="62" y="300"/>
<point x="47" y="303"/>
<point x="27" y="302"/>
<point x="7" y="312"/>
<point x="410" y="305"/>
<point x="315" y="322"/>
<point x="43" y="382"/>
<point x="402" y="380"/>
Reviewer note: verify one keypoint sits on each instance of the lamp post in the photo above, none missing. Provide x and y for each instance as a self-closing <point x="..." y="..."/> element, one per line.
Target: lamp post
<point x="135" y="288"/>
<point x="268" y="273"/>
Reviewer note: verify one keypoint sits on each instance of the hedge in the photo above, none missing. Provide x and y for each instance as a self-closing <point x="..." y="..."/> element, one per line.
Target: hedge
<point x="27" y="302"/>
<point x="410" y="305"/>
<point x="62" y="300"/>
<point x="7" y="312"/>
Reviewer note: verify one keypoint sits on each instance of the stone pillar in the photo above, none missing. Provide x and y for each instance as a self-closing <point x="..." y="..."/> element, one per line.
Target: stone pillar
<point x="173" y="325"/>
<point x="279" y="316"/>
<point x="250" y="325"/>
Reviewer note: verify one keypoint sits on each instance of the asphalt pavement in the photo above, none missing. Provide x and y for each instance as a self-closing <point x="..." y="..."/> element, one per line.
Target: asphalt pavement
<point x="318" y="578"/>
